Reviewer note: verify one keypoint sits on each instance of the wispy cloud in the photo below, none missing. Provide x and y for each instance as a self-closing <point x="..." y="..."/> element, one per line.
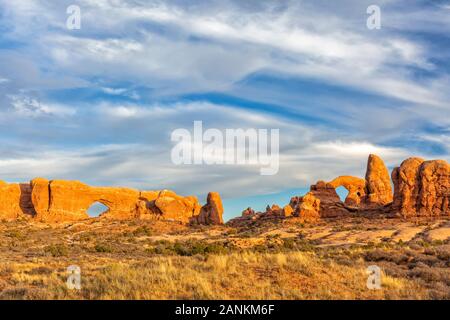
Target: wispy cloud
<point x="99" y="104"/>
<point x="34" y="108"/>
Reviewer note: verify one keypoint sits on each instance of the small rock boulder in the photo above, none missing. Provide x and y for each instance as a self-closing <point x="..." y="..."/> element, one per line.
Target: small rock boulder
<point x="248" y="212"/>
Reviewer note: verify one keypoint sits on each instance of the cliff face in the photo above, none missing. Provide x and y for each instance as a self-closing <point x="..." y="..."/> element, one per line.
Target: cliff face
<point x="10" y="200"/>
<point x="61" y="201"/>
<point x="421" y="188"/>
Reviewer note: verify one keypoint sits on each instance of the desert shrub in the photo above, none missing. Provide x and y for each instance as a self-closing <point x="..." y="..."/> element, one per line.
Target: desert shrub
<point x="160" y="249"/>
<point x="23" y="293"/>
<point x="6" y="270"/>
<point x="16" y="234"/>
<point x="231" y="232"/>
<point x="41" y="271"/>
<point x="103" y="248"/>
<point x="189" y="248"/>
<point x="443" y="253"/>
<point x="57" y="250"/>
<point x="426" y="273"/>
<point x="86" y="237"/>
<point x="141" y="231"/>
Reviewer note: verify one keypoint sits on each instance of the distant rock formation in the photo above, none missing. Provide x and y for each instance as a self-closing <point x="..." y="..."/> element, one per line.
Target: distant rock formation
<point x="356" y="188"/>
<point x="378" y="182"/>
<point x="248" y="212"/>
<point x="421" y="188"/>
<point x="306" y="207"/>
<point x="10" y="201"/>
<point x="212" y="211"/>
<point x="61" y="201"/>
<point x="287" y="211"/>
<point x="171" y="206"/>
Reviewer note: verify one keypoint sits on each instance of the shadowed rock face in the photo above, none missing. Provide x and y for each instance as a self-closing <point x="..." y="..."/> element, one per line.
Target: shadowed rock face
<point x="61" y="201"/>
<point x="421" y="188"/>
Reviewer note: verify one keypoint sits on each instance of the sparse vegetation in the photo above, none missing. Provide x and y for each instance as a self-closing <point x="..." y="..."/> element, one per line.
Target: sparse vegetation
<point x="57" y="250"/>
<point x="160" y="260"/>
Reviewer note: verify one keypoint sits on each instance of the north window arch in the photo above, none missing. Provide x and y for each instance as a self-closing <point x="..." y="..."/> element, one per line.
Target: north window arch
<point x="96" y="209"/>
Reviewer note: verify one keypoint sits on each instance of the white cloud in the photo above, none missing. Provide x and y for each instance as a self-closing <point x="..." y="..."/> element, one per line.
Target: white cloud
<point x="357" y="149"/>
<point x="121" y="92"/>
<point x="298" y="40"/>
<point x="174" y="48"/>
<point x="34" y="108"/>
<point x="307" y="154"/>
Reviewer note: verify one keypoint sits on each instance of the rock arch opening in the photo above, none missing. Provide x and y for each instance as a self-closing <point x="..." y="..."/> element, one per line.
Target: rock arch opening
<point x="96" y="209"/>
<point x="342" y="193"/>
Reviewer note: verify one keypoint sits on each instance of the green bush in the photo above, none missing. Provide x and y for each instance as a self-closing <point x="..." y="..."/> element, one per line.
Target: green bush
<point x="57" y="250"/>
<point x="103" y="248"/>
<point x="142" y="231"/>
<point x="188" y="248"/>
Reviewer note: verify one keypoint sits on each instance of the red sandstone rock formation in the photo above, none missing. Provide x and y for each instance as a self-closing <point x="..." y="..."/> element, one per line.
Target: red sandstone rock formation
<point x="373" y="191"/>
<point x="356" y="189"/>
<point x="212" y="211"/>
<point x="10" y="199"/>
<point x="70" y="200"/>
<point x="177" y="208"/>
<point x="248" y="212"/>
<point x="62" y="201"/>
<point x="434" y="196"/>
<point x="421" y="188"/>
<point x="406" y="188"/>
<point x="330" y="205"/>
<point x="378" y="183"/>
<point x="40" y="196"/>
<point x="274" y="210"/>
<point x="287" y="211"/>
<point x="307" y="207"/>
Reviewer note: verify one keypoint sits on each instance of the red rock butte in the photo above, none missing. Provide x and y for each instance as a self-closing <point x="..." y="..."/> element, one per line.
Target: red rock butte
<point x="421" y="189"/>
<point x="62" y="201"/>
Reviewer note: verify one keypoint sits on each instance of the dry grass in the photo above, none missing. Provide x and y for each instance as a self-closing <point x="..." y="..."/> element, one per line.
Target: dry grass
<point x="156" y="260"/>
<point x="294" y="275"/>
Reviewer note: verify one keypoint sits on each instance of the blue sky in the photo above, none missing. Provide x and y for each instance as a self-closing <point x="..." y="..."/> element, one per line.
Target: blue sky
<point x="99" y="104"/>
